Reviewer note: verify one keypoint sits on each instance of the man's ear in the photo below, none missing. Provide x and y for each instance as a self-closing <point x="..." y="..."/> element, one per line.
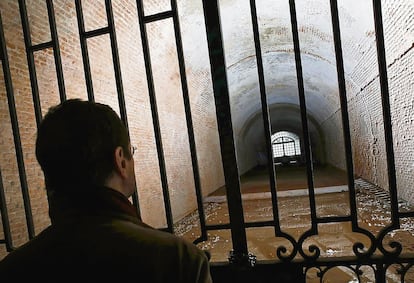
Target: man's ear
<point x="120" y="161"/>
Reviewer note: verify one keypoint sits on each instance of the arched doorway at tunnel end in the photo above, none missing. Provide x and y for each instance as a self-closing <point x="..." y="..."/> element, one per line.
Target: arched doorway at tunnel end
<point x="284" y="118"/>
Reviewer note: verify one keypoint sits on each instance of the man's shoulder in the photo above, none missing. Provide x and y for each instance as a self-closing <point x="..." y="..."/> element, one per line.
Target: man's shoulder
<point x="151" y="235"/>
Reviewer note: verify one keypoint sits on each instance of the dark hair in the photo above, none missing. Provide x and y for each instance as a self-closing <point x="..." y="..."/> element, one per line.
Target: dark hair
<point x="75" y="144"/>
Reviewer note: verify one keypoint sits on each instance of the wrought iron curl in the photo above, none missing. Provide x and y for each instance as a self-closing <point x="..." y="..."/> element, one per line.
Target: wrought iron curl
<point x="359" y="248"/>
<point x="313" y="249"/>
<point x="394" y="245"/>
<point x="282" y="251"/>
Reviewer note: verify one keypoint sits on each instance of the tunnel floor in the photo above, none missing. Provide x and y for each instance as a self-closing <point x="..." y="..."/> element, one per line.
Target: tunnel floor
<point x="288" y="178"/>
<point x="332" y="199"/>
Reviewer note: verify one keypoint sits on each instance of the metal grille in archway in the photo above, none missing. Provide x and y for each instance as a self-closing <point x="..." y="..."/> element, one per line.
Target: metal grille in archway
<point x="242" y="264"/>
<point x="286" y="148"/>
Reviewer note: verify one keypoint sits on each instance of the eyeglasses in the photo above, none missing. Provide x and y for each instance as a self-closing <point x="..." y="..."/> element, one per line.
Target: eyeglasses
<point x="133" y="150"/>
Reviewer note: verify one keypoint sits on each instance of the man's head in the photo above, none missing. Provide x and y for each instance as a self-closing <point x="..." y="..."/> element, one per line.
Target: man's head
<point x="83" y="144"/>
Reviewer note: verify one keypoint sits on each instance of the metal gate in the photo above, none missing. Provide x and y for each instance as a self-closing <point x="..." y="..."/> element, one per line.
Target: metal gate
<point x="242" y="265"/>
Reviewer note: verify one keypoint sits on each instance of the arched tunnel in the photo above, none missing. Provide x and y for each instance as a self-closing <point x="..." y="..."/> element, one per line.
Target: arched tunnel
<point x="319" y="70"/>
<point x="283" y="100"/>
<point x="252" y="148"/>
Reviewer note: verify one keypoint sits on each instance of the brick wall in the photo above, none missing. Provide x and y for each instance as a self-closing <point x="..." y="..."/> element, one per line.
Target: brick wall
<point x="168" y="93"/>
<point x="365" y="99"/>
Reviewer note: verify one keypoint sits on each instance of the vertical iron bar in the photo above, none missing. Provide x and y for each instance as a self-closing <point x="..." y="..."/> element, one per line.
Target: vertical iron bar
<point x="16" y="134"/>
<point x="118" y="79"/>
<point x="189" y="120"/>
<point x="84" y="48"/>
<point x="223" y="112"/>
<point x="30" y="61"/>
<point x="303" y="112"/>
<point x="386" y="112"/>
<point x="5" y="218"/>
<point x="9" y="89"/>
<point x="56" y="50"/>
<point x="155" y="118"/>
<point x="380" y="273"/>
<point x="266" y="117"/>
<point x="115" y="59"/>
<point x="344" y="112"/>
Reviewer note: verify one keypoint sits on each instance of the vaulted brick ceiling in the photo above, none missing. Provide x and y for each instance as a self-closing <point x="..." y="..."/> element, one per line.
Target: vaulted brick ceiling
<point x="317" y="58"/>
<point x="316" y="44"/>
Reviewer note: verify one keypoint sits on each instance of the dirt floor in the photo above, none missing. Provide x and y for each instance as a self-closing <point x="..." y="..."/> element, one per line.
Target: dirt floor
<point x="332" y="200"/>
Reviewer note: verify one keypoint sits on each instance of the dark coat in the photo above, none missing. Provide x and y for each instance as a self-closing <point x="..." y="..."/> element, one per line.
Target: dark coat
<point x="99" y="239"/>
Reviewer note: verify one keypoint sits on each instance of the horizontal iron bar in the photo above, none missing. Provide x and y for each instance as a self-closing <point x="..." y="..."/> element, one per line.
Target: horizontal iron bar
<point x="218" y="227"/>
<point x="158" y="17"/>
<point x="332" y="261"/>
<point x="333" y="219"/>
<point x="96" y="32"/>
<point x="406" y="214"/>
<point x="41" y="46"/>
<point x="247" y="225"/>
<point x="271" y="223"/>
<point x="259" y="224"/>
<point x="284" y="142"/>
<point x="352" y="260"/>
